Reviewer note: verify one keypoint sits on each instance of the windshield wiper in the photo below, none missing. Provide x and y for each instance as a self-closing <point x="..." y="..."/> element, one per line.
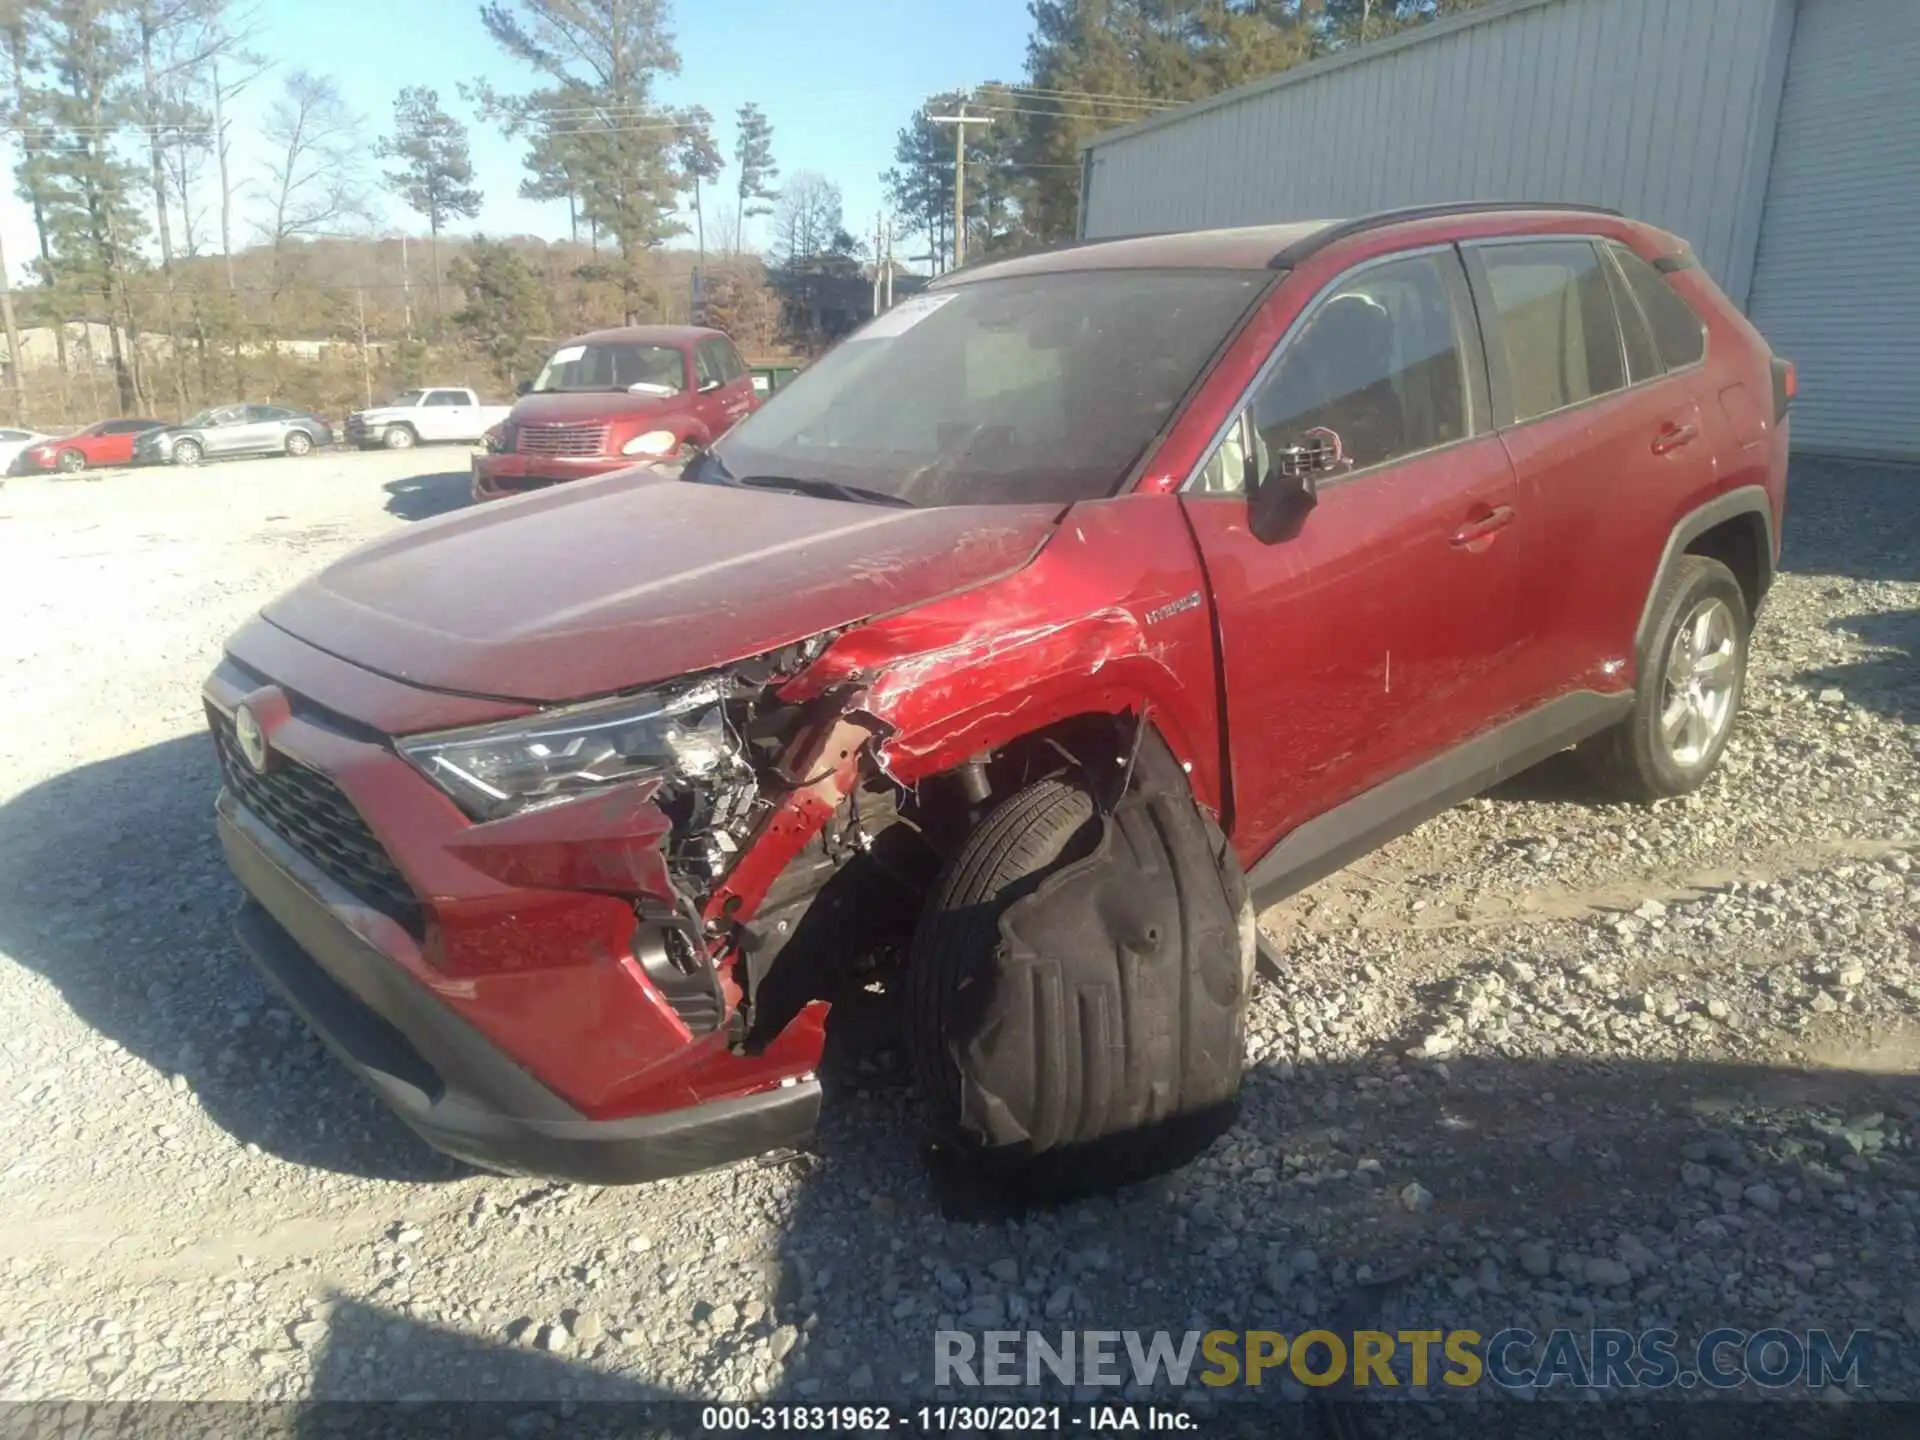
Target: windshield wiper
<point x="826" y="490"/>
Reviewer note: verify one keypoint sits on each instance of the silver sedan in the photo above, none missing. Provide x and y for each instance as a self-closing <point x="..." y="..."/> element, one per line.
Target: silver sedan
<point x="233" y="430"/>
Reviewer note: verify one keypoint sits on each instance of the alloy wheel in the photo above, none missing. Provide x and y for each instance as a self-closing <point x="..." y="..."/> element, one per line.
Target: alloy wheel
<point x="1702" y="676"/>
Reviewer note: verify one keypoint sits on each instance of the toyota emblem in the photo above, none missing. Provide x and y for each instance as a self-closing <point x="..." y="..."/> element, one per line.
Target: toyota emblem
<point x="253" y="740"/>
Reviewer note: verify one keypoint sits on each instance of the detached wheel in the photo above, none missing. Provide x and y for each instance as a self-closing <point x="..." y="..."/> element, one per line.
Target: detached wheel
<point x="1692" y="677"/>
<point x="299" y="443"/>
<point x="398" y="437"/>
<point x="1077" y="990"/>
<point x="71" y="462"/>
<point x="186" y="452"/>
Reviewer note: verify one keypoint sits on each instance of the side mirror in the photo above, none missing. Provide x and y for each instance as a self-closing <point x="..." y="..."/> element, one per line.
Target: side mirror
<point x="1290" y="489"/>
<point x="709" y="386"/>
<point x="525" y="387"/>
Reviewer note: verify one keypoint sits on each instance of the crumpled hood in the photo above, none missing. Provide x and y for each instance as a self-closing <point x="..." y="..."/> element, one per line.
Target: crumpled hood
<point x="635" y="577"/>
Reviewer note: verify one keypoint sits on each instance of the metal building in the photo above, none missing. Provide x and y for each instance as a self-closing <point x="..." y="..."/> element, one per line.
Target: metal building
<point x="1781" y="138"/>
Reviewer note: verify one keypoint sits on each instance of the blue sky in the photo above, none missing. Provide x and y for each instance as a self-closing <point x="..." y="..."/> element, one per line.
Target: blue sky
<point x="838" y="78"/>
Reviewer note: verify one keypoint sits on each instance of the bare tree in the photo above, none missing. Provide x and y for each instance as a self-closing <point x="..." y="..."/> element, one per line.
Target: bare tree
<point x="315" y="175"/>
<point x="806" y="218"/>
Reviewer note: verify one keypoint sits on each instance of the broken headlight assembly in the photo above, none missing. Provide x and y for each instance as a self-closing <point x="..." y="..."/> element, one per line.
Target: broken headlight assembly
<point x="492" y="771"/>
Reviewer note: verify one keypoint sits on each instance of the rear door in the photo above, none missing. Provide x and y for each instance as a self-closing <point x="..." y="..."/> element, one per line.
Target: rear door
<point x="1380" y="633"/>
<point x="1605" y="440"/>
<point x="232" y="430"/>
<point x="446" y="415"/>
<point x="741" y="397"/>
<point x="710" y="401"/>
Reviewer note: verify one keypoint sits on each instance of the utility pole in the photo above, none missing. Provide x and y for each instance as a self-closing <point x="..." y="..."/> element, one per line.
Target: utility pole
<point x="366" y="371"/>
<point x="960" y="123"/>
<point x="889" y="262"/>
<point x="878" y="236"/>
<point x="406" y="284"/>
<point x="16" y="362"/>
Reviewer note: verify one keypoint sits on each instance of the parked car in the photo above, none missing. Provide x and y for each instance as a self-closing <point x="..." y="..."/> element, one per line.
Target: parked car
<point x="614" y="399"/>
<point x="105" y="442"/>
<point x="14" y="444"/>
<point x="233" y="430"/>
<point x="1056" y="621"/>
<point x="424" y="417"/>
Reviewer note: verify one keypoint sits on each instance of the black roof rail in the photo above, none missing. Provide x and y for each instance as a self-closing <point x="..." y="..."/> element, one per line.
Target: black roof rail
<point x="1320" y="239"/>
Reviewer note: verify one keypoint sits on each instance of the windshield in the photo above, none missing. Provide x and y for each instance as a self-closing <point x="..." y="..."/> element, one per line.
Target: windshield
<point x="1033" y="388"/>
<point x="196" y="422"/>
<point x="410" y="397"/>
<point x="647" y="369"/>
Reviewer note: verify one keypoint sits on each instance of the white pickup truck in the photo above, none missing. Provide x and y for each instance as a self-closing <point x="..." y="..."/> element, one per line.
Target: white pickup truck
<point x="421" y="417"/>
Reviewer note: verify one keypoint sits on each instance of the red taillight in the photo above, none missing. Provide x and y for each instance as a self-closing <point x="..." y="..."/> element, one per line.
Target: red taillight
<point x="1786" y="384"/>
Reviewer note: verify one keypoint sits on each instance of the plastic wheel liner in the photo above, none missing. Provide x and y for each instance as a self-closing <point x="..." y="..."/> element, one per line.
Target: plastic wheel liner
<point x="1107" y="1042"/>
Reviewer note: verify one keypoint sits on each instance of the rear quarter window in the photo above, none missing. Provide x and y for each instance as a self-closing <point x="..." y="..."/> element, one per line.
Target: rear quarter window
<point x="1678" y="332"/>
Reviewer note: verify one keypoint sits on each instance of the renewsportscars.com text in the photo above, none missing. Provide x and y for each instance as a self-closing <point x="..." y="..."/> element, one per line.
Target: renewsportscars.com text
<point x="1512" y="1359"/>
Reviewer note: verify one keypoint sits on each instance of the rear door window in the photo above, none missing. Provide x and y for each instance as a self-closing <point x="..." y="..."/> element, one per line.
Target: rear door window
<point x="447" y="397"/>
<point x="1677" y="332"/>
<point x="708" y="368"/>
<point x="1643" y="358"/>
<point x="1553" y="323"/>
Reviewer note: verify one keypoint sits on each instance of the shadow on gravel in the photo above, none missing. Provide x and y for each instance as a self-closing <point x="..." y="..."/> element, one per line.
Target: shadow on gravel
<point x="1887" y="683"/>
<point x="112" y="887"/>
<point x="421" y="497"/>
<point x="1852" y="518"/>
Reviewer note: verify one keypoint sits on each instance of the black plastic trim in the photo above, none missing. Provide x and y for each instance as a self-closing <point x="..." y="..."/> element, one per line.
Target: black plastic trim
<point x="1747" y="500"/>
<point x="1673" y="264"/>
<point x="451" y="1085"/>
<point x="1328" y="842"/>
<point x="1313" y="244"/>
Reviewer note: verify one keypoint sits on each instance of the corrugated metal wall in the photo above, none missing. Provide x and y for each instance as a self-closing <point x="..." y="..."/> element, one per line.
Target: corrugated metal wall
<point x="1661" y="108"/>
<point x="1836" y="285"/>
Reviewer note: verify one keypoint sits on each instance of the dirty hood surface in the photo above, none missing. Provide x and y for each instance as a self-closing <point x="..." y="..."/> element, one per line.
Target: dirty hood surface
<point x="605" y="584"/>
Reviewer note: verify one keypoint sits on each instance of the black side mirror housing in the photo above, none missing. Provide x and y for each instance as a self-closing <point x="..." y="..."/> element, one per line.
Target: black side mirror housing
<point x="1286" y="495"/>
<point x="525" y="387"/>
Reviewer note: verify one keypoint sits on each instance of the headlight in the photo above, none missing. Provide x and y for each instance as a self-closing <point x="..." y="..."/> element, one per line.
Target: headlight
<point x="495" y="440"/>
<point x="496" y="770"/>
<point x="653" y="442"/>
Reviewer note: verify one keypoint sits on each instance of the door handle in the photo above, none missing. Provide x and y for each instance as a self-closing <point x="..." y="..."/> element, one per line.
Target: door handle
<point x="1672" y="437"/>
<point x="1483" y="527"/>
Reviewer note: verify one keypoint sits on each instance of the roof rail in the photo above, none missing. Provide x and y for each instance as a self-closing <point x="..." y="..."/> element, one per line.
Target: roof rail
<point x="1320" y="239"/>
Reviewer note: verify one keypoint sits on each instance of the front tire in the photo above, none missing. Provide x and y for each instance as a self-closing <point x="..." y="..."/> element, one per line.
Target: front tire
<point x="71" y="462"/>
<point x="1692" y="677"/>
<point x="187" y="452"/>
<point x="1094" y="1038"/>
<point x="299" y="443"/>
<point x="399" y="437"/>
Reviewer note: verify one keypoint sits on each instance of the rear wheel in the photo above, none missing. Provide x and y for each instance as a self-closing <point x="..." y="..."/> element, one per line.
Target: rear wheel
<point x="299" y="442"/>
<point x="186" y="452"/>
<point x="1691" y="679"/>
<point x="71" y="461"/>
<point x="1077" y="990"/>
<point x="399" y="437"/>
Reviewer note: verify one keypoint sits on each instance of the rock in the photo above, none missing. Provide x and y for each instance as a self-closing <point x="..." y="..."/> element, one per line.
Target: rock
<point x="1852" y="975"/>
<point x="1763" y="1196"/>
<point x="883" y="1207"/>
<point x="1650" y="909"/>
<point x="1005" y="1270"/>
<point x="1607" y="1272"/>
<point x="1437" y="1044"/>
<point x="1823" y="1002"/>
<point x="639" y="1244"/>
<point x="1518" y="971"/>
<point x="1060" y="1302"/>
<point x="588" y="1329"/>
<point x="1415" y="1197"/>
<point x="780" y="1344"/>
<point x="1831" y="696"/>
<point x="1303" y="1262"/>
<point x="1536" y="1258"/>
<point x="554" y="1338"/>
<point x="1561" y="1149"/>
<point x="861" y="1378"/>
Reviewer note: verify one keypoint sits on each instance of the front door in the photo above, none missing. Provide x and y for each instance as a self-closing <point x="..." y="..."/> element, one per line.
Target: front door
<point x="1382" y="631"/>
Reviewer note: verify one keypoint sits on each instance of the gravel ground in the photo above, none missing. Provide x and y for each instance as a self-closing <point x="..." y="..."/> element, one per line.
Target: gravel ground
<point x="1542" y="1062"/>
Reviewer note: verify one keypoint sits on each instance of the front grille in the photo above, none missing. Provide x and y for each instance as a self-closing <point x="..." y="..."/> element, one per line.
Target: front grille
<point x="311" y="814"/>
<point x="560" y="439"/>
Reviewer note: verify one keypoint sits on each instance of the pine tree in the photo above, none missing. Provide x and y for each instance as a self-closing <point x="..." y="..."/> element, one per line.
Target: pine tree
<point x="505" y="310"/>
<point x="699" y="160"/>
<point x="435" y="174"/>
<point x="753" y="153"/>
<point x="602" y="57"/>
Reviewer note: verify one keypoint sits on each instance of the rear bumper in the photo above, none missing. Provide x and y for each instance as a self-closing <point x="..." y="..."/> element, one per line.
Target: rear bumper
<point x="451" y="1084"/>
<point x="495" y="475"/>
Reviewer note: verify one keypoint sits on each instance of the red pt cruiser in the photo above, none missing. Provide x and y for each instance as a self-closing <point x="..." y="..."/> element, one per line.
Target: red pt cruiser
<point x="1000" y="667"/>
<point x="615" y="399"/>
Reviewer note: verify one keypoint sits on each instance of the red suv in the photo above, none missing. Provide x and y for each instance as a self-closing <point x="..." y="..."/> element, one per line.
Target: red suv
<point x="614" y="399"/>
<point x="998" y="669"/>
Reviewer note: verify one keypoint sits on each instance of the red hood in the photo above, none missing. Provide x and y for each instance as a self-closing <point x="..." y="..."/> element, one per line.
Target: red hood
<point x="600" y="405"/>
<point x="602" y="585"/>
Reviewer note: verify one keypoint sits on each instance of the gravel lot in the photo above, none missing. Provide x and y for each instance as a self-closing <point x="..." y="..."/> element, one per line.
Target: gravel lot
<point x="1541" y="1062"/>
